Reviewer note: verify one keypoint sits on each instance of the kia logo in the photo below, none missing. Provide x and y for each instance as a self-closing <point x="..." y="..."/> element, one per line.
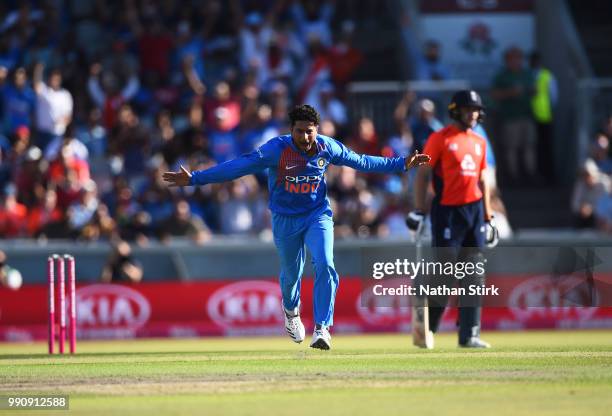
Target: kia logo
<point x="111" y="306"/>
<point x="383" y="309"/>
<point x="246" y="304"/>
<point x="555" y="298"/>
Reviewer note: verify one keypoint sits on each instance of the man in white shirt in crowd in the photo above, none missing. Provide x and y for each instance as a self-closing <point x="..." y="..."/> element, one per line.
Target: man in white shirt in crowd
<point x="54" y="106"/>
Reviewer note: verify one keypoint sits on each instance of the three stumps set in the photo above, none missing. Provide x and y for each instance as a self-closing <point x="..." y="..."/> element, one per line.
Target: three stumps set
<point x="61" y="265"/>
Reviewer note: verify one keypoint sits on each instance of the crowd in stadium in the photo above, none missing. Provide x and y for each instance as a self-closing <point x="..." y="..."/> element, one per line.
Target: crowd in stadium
<point x="98" y="99"/>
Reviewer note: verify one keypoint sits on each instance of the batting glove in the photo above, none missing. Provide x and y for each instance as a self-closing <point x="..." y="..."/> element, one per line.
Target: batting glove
<point x="415" y="220"/>
<point x="491" y="233"/>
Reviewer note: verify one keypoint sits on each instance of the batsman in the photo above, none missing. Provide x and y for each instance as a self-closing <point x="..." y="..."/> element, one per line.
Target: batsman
<point x="461" y="218"/>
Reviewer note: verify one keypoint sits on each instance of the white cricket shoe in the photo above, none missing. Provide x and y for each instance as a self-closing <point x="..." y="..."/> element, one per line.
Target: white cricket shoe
<point x="475" y="342"/>
<point x="294" y="326"/>
<point x="420" y="337"/>
<point x="321" y="338"/>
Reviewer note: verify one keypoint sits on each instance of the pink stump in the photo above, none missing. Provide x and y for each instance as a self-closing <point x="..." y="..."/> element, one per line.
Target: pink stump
<point x="51" y="282"/>
<point x="72" y="300"/>
<point x="62" y="303"/>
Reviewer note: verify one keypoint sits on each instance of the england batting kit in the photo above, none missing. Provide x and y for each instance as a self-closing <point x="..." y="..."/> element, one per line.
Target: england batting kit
<point x="301" y="212"/>
<point x="457" y="214"/>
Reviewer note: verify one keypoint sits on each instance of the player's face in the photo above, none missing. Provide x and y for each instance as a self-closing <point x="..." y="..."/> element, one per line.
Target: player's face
<point x="304" y="134"/>
<point x="469" y="116"/>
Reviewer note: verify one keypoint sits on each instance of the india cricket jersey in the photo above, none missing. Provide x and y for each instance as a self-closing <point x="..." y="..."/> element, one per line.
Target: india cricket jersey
<point x="296" y="180"/>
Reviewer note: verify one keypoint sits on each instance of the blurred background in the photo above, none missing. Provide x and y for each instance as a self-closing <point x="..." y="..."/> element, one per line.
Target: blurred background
<point x="99" y="97"/>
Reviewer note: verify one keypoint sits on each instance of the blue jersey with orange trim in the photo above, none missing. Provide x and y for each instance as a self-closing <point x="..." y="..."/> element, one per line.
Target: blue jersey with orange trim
<point x="458" y="158"/>
<point x="296" y="180"/>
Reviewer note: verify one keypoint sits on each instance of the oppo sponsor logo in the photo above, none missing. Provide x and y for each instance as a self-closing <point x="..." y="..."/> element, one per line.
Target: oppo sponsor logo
<point x="304" y="178"/>
<point x="545" y="297"/>
<point x="246" y="304"/>
<point x="111" y="306"/>
<point x="383" y="309"/>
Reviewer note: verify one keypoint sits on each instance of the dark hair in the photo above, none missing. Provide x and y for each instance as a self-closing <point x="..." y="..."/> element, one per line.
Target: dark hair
<point x="53" y="71"/>
<point x="303" y="112"/>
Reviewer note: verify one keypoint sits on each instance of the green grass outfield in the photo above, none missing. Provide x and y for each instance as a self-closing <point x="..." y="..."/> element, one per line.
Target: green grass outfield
<point x="536" y="373"/>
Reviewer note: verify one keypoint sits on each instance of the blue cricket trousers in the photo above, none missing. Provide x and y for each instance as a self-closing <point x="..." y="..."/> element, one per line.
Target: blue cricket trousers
<point x="458" y="233"/>
<point x="292" y="234"/>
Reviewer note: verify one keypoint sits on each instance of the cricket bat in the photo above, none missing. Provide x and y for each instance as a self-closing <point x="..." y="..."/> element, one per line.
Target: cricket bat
<point x="422" y="337"/>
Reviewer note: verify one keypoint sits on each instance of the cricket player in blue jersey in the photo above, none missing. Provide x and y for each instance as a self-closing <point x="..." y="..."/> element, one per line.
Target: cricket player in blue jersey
<point x="301" y="212"/>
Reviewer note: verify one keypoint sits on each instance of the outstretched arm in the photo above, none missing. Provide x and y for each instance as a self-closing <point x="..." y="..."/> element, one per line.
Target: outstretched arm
<point x="244" y="165"/>
<point x="366" y="163"/>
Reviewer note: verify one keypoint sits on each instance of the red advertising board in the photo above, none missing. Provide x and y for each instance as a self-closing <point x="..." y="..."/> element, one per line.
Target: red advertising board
<point x="246" y="307"/>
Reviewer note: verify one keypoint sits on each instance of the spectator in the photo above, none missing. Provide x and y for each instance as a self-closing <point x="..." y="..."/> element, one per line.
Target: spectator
<point x="21" y="144"/>
<point x="315" y="72"/>
<point x="13" y="215"/>
<point x="603" y="213"/>
<point x="121" y="266"/>
<point x="108" y="94"/>
<point x="53" y="106"/>
<point x="44" y="213"/>
<point x="121" y="63"/>
<point x="366" y="140"/>
<point x="255" y="36"/>
<point x="402" y="142"/>
<point x="9" y="53"/>
<point x="276" y="65"/>
<point x="344" y="58"/>
<point x="101" y="226"/>
<point x="600" y="153"/>
<point x="154" y="46"/>
<point x="93" y="134"/>
<point x="75" y="147"/>
<point x="313" y="18"/>
<point x="258" y="131"/>
<point x="189" y="46"/>
<point x="83" y="209"/>
<point x="329" y="106"/>
<point x="223" y="143"/>
<point x="129" y="142"/>
<point x="607" y="127"/>
<point x="236" y="215"/>
<point x="590" y="187"/>
<point x="222" y="103"/>
<point x="5" y="169"/>
<point x="3" y="86"/>
<point x="501" y="215"/>
<point x="193" y="140"/>
<point x="138" y="229"/>
<point x="65" y="164"/>
<point x="9" y="277"/>
<point x="543" y="104"/>
<point x="183" y="224"/>
<point x="19" y="102"/>
<point x="429" y="67"/>
<point x="28" y="176"/>
<point x="513" y="89"/>
<point x="422" y="124"/>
